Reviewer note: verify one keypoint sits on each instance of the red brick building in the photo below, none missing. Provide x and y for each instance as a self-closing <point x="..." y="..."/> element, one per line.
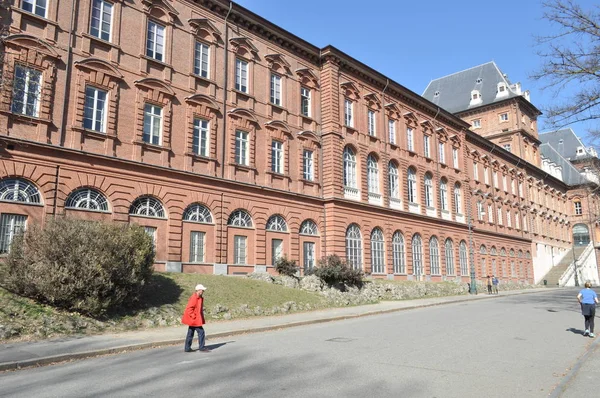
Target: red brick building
<point x="235" y="142"/>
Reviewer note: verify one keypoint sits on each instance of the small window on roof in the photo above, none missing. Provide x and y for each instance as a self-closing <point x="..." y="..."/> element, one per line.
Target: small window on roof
<point x="479" y="80"/>
<point x="436" y="94"/>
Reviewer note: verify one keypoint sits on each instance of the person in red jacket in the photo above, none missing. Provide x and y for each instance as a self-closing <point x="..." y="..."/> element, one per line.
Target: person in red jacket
<point x="193" y="316"/>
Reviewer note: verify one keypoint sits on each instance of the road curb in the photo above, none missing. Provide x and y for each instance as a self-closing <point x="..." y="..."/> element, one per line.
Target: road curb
<point x="49" y="360"/>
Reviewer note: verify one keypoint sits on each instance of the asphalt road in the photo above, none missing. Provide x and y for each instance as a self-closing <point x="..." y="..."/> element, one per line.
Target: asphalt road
<point x="519" y="346"/>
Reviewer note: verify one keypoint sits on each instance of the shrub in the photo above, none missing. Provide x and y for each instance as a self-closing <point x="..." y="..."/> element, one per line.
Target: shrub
<point x="337" y="273"/>
<point x="83" y="266"/>
<point x="286" y="267"/>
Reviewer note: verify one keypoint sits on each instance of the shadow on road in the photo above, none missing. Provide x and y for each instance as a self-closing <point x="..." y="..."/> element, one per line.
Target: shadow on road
<point x="575" y="331"/>
<point x="219" y="345"/>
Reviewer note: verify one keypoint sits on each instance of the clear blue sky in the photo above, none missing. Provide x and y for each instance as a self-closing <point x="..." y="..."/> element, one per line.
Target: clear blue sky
<point x="413" y="42"/>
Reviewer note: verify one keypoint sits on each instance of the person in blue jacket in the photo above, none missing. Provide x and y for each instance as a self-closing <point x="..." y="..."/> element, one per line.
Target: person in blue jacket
<point x="588" y="299"/>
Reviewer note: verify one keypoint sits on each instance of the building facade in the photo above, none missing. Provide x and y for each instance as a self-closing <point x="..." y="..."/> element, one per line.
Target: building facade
<point x="234" y="142"/>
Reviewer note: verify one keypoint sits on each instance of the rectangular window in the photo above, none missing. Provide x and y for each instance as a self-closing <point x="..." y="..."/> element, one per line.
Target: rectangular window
<point x="10" y="225"/>
<point x="512" y="186"/>
<point x="37" y="7"/>
<point x="507" y="147"/>
<point x="504" y="184"/>
<point x="520" y="189"/>
<point x="94" y="110"/>
<point x="27" y="88"/>
<point x="201" y="141"/>
<point x="196" y="247"/>
<point x="155" y="43"/>
<point x="101" y="20"/>
<point x="578" y="209"/>
<point x="490" y="214"/>
<point x="305" y="101"/>
<point x="239" y="249"/>
<point x="392" y="131"/>
<point x="442" y="150"/>
<point x="241" y="75"/>
<point x="241" y="148"/>
<point x="504" y="117"/>
<point x="480" y="211"/>
<point x="276" y="250"/>
<point x="508" y="219"/>
<point x="152" y="124"/>
<point x="499" y="216"/>
<point x="308" y="169"/>
<point x="455" y="158"/>
<point x="486" y="175"/>
<point x="201" y="59"/>
<point x="476" y="123"/>
<point x="371" y="120"/>
<point x="348" y="113"/>
<point x="426" y="146"/>
<point x="275" y="89"/>
<point x="517" y="226"/>
<point x="525" y="223"/>
<point x="475" y="171"/>
<point x="495" y="178"/>
<point x="151" y="232"/>
<point x="309" y="255"/>
<point x="410" y="144"/>
<point x="277" y="157"/>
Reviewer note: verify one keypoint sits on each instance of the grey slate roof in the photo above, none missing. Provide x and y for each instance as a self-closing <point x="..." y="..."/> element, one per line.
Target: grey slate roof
<point x="454" y="91"/>
<point x="570" y="175"/>
<point x="565" y="141"/>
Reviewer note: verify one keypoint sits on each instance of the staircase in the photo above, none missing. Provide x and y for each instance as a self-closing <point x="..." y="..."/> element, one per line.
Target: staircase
<point x="553" y="276"/>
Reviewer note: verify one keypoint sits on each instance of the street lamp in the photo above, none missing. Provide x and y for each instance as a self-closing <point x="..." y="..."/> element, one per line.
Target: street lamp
<point x="473" y="284"/>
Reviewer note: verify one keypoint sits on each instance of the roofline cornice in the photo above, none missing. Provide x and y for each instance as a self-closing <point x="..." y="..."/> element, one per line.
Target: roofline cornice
<point x="519" y="98"/>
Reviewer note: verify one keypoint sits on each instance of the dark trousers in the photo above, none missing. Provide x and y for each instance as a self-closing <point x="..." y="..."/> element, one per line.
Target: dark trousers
<point x="489" y="289"/>
<point x="589" y="309"/>
<point x="190" y="337"/>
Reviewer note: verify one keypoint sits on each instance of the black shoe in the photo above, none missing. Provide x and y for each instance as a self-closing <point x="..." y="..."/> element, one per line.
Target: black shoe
<point x="204" y="350"/>
<point x="188" y="351"/>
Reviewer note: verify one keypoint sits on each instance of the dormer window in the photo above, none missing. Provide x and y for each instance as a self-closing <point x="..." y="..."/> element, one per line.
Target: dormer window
<point x="502" y="90"/>
<point x="436" y="94"/>
<point x="580" y="150"/>
<point x="479" y="80"/>
<point x="475" y="97"/>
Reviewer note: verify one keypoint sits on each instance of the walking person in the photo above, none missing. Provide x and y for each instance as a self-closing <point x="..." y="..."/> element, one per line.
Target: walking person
<point x="193" y="316"/>
<point x="588" y="299"/>
<point x="489" y="284"/>
<point x="495" y="283"/>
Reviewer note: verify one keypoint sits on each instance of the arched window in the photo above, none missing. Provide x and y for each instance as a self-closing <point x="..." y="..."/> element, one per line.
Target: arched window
<point x="354" y="246"/>
<point x="449" y="257"/>
<point x="87" y="199"/>
<point x="350" y="168"/>
<point x="444" y="194"/>
<point x="462" y="258"/>
<point x="372" y="174"/>
<point x="19" y="190"/>
<point x="377" y="252"/>
<point x="197" y="213"/>
<point x="417" y="254"/>
<point x="240" y="218"/>
<point x="434" y="256"/>
<point x="394" y="181"/>
<point x="581" y="235"/>
<point x="457" y="199"/>
<point x="482" y="250"/>
<point x="399" y="257"/>
<point x="147" y="206"/>
<point x="520" y="254"/>
<point x="276" y="223"/>
<point x="309" y="227"/>
<point x="511" y="253"/>
<point x="412" y="185"/>
<point x="429" y="201"/>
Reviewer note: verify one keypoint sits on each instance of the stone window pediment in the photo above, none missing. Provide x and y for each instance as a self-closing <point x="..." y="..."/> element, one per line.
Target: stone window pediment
<point x="411" y="118"/>
<point x="307" y="77"/>
<point x="280" y="125"/>
<point x="246" y="114"/>
<point x="372" y="101"/>
<point x="33" y="43"/>
<point x="99" y="65"/>
<point x="203" y="101"/>
<point x="278" y="63"/>
<point x="393" y="111"/>
<point x="204" y="28"/>
<point x="155" y="84"/>
<point x="350" y="90"/>
<point x="307" y="134"/>
<point x="243" y="47"/>
<point x="160" y="9"/>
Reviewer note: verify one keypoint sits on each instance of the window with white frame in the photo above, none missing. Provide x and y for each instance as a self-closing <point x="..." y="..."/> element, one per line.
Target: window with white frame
<point x="196" y="247"/>
<point x="240" y="218"/>
<point x="475" y="171"/>
<point x="398" y="254"/>
<point x="10" y="226"/>
<point x="462" y="258"/>
<point x="201" y="59"/>
<point x="308" y="168"/>
<point x="578" y="208"/>
<point x="241" y="75"/>
<point x="147" y="206"/>
<point x="309" y="227"/>
<point x="37" y="7"/>
<point x="499" y="216"/>
<point x="429" y="199"/>
<point x="348" y="119"/>
<point x="444" y="194"/>
<point x="152" y="124"/>
<point x="101" y="19"/>
<point x="276" y="223"/>
<point x="476" y="123"/>
<point x="520" y="189"/>
<point x="517" y="222"/>
<point x="508" y="219"/>
<point x="275" y="89"/>
<point x="277" y="157"/>
<point x="426" y="146"/>
<point x="512" y="186"/>
<point x="417" y="254"/>
<point x="490" y="214"/>
<point x="350" y="168"/>
<point x="434" y="256"/>
<point x="486" y="175"/>
<point x="457" y="198"/>
<point x="504" y="184"/>
<point x="27" y="89"/>
<point x="410" y="144"/>
<point x="372" y="174"/>
<point x="354" y="246"/>
<point x="507" y="147"/>
<point x="240" y="249"/>
<point x="377" y="252"/>
<point x="394" y="181"/>
<point x="392" y="131"/>
<point x="198" y="213"/>
<point x="276" y="250"/>
<point x="525" y="223"/>
<point x="455" y="158"/>
<point x="201" y="140"/>
<point x="305" y="96"/>
<point x="371" y="123"/>
<point x="442" y="151"/>
<point x="480" y="211"/>
<point x="87" y="199"/>
<point x="241" y="148"/>
<point x="94" y="109"/>
<point x="412" y="185"/>
<point x="495" y="178"/>
<point x="449" y="252"/>
<point x="504" y="117"/>
<point x="155" y="41"/>
<point x="151" y="232"/>
<point x="308" y="249"/>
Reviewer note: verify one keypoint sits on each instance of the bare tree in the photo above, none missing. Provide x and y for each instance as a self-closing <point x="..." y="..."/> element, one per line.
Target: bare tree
<point x="571" y="63"/>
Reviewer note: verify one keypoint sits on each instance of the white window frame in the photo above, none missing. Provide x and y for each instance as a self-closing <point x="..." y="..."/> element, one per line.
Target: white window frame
<point x="276" y="89"/>
<point x="442" y="152"/>
<point x="394" y="181"/>
<point x="410" y="142"/>
<point x="499" y="216"/>
<point x="348" y="113"/>
<point x="308" y="168"/>
<point x="308" y="249"/>
<point x="240" y="249"/>
<point x="155" y="40"/>
<point x="242" y="148"/>
<point x="434" y="256"/>
<point x="202" y="59"/>
<point x="30" y="86"/>
<point x="480" y="211"/>
<point x="371" y="127"/>
<point x="426" y="146"/>
<point x="504" y="117"/>
<point x="241" y="75"/>
<point x="455" y="162"/>
<point x="197" y="246"/>
<point x="429" y="197"/>
<point x="392" y="131"/>
<point x="377" y="252"/>
<point x="276" y="250"/>
<point x="305" y="101"/>
<point x="277" y="157"/>
<point x="486" y="175"/>
<point x="508" y="219"/>
<point x="490" y="214"/>
<point x="462" y="258"/>
<point x="153" y="128"/>
<point x="476" y="123"/>
<point x="413" y="196"/>
<point x="350" y="178"/>
<point x="201" y="137"/>
<point x="372" y="175"/>
<point x="449" y="257"/>
<point x="398" y="253"/>
<point x="105" y="10"/>
<point x="354" y="246"/>
<point x="151" y="232"/>
<point x="457" y="198"/>
<point x="578" y="208"/>
<point x="96" y="101"/>
<point x="10" y="225"/>
<point x="36" y="8"/>
<point x="475" y="171"/>
<point x="444" y="194"/>
<point x="417" y="254"/>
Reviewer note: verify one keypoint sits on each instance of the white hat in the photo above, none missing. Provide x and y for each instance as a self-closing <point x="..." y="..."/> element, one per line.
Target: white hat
<point x="200" y="287"/>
